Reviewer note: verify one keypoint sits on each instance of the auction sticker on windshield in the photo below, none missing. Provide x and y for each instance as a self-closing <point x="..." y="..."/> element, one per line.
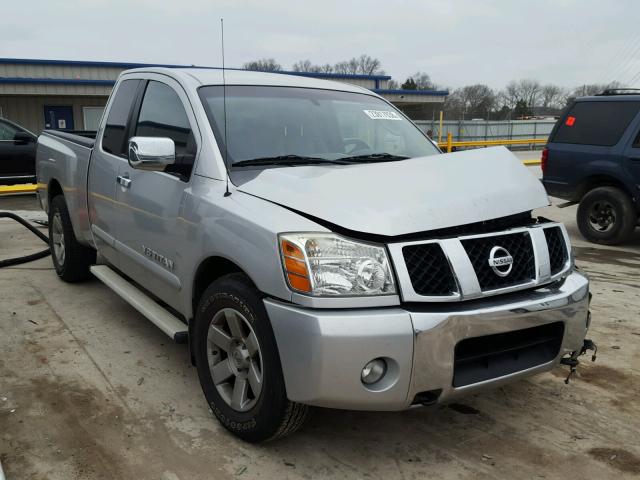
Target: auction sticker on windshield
<point x="382" y="115"/>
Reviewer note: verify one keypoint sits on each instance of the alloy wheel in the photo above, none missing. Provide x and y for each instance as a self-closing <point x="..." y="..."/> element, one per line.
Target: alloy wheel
<point x="235" y="359"/>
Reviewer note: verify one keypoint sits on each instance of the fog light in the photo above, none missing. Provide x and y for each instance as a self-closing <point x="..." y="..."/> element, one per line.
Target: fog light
<point x="373" y="371"/>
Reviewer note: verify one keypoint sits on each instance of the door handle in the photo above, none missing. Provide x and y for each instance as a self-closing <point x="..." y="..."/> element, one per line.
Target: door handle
<point x="124" y="181"/>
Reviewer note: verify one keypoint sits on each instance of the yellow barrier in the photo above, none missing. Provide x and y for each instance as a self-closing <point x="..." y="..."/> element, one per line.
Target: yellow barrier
<point x="449" y="144"/>
<point x="24" y="188"/>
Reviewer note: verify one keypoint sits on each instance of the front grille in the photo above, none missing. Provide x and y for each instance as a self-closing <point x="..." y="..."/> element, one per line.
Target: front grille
<point x="557" y="249"/>
<point x="519" y="247"/>
<point x="429" y="270"/>
<point x="483" y="358"/>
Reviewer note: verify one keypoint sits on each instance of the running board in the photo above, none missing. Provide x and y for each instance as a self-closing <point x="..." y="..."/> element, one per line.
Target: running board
<point x="165" y="321"/>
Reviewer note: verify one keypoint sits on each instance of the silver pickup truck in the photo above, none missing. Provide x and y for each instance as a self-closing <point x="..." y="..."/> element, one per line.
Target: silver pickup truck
<point x="311" y="245"/>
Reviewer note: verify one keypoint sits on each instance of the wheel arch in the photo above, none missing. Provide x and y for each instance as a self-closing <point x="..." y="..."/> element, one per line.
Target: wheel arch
<point x="602" y="180"/>
<point x="53" y="190"/>
<point x="209" y="270"/>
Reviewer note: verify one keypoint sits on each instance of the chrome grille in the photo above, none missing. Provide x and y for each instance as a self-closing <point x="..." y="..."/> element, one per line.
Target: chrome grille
<point x="458" y="268"/>
<point x="429" y="269"/>
<point x="517" y="244"/>
<point x="557" y="249"/>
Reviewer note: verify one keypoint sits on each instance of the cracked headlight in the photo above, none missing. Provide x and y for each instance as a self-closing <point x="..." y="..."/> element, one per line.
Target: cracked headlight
<point x="328" y="265"/>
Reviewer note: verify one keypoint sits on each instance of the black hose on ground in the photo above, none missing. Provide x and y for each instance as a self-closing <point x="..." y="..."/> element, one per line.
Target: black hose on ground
<point x="26" y="258"/>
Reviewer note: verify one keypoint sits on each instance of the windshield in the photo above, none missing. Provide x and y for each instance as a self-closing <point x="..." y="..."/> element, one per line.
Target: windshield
<point x="274" y="123"/>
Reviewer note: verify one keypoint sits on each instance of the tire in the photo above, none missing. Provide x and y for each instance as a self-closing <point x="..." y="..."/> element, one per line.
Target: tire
<point x="267" y="415"/>
<point x="71" y="260"/>
<point x="606" y="215"/>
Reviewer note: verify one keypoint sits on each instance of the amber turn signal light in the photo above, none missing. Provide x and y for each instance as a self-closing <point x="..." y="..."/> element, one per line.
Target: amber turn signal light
<point x="295" y="267"/>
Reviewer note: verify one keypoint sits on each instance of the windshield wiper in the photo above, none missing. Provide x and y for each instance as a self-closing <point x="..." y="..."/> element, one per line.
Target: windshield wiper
<point x="374" y="157"/>
<point x="284" y="160"/>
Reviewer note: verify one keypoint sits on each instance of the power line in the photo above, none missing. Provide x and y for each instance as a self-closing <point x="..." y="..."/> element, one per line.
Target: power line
<point x="613" y="61"/>
<point x="634" y="79"/>
<point x="618" y="71"/>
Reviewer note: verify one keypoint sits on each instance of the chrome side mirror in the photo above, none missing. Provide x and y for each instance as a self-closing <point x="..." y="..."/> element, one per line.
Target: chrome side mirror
<point x="151" y="153"/>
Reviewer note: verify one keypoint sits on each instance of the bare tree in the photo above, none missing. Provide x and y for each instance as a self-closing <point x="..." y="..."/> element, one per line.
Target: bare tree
<point x="392" y="84"/>
<point x="593" y="89"/>
<point x="510" y="96"/>
<point x="551" y="96"/>
<point x="302" y="66"/>
<point x="529" y="91"/>
<point x="307" y="66"/>
<point x="263" y="65"/>
<point x="368" y="65"/>
<point x="472" y="101"/>
<point x="343" y="68"/>
<point x="363" y="65"/>
<point x="423" y="81"/>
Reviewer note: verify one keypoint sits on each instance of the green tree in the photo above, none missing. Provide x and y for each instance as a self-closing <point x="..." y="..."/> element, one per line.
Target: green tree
<point x="409" y="84"/>
<point x="521" y="109"/>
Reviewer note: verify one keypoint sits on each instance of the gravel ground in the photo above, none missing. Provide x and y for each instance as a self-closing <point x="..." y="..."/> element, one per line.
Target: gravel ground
<point x="89" y="390"/>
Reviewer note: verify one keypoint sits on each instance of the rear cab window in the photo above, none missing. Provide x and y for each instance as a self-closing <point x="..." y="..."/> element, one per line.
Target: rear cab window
<point x="599" y="123"/>
<point x="114" y="139"/>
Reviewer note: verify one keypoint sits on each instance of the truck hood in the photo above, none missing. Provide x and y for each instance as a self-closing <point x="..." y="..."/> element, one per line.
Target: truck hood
<point x="403" y="197"/>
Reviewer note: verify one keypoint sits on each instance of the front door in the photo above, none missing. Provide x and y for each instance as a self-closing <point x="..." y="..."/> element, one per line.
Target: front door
<point x="58" y="117"/>
<point x="151" y="231"/>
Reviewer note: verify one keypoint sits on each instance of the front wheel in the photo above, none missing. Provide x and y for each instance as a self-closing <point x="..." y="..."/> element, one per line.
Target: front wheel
<point x="238" y="363"/>
<point x="606" y="215"/>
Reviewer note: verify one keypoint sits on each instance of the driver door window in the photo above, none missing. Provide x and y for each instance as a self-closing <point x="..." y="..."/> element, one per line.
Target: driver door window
<point x="163" y="115"/>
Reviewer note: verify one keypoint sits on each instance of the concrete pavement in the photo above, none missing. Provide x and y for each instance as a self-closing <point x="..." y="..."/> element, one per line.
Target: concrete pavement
<point x="89" y="389"/>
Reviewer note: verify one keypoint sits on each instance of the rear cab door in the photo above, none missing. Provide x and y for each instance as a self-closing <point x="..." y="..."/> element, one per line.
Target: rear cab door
<point x="108" y="157"/>
<point x="589" y="140"/>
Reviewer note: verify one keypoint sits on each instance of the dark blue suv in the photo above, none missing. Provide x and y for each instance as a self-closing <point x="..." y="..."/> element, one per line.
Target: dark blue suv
<point x="593" y="157"/>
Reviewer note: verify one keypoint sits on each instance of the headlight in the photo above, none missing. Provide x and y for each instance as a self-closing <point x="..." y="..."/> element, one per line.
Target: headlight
<point x="325" y="264"/>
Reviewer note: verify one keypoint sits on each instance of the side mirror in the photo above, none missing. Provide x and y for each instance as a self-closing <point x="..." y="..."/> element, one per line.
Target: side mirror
<point x="22" y="138"/>
<point x="151" y="153"/>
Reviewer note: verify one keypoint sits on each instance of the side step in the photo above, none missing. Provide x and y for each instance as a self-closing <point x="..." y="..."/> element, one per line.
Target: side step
<point x="131" y="294"/>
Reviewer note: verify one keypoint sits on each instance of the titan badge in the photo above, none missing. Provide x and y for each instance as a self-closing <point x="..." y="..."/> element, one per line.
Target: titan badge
<point x="161" y="259"/>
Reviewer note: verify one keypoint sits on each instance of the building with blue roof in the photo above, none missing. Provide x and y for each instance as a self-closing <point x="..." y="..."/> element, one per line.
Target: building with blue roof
<point x="71" y="94"/>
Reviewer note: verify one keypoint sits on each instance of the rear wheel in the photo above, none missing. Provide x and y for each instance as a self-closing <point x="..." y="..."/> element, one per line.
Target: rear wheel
<point x="238" y="363"/>
<point x="71" y="260"/>
<point x="606" y="215"/>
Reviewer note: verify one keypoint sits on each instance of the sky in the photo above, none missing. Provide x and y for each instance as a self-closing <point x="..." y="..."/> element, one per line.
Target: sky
<point x="566" y="42"/>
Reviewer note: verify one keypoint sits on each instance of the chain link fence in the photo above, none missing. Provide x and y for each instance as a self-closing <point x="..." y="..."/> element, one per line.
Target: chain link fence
<point x="478" y="130"/>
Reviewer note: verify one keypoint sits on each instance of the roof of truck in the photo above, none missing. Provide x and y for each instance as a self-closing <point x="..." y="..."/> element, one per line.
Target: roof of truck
<point x="213" y="76"/>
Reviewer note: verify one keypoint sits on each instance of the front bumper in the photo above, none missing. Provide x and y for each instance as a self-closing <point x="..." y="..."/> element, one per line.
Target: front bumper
<point x="323" y="351"/>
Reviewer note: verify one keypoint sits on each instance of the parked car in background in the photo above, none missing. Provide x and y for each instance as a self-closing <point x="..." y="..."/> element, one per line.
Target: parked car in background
<point x="17" y="154"/>
<point x="593" y="157"/>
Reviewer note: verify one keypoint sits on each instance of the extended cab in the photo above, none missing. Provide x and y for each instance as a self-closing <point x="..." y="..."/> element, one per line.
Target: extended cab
<point x="311" y="245"/>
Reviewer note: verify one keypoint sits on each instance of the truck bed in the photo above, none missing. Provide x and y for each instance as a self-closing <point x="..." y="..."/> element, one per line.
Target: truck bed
<point x="86" y="138"/>
<point x="62" y="165"/>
